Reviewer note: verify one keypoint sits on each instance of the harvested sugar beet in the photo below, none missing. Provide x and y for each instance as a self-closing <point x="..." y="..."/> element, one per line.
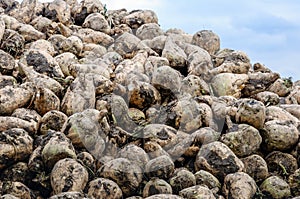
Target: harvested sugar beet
<point x="101" y="103"/>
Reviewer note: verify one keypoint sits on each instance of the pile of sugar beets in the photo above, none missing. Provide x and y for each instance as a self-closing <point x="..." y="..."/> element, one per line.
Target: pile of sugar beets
<point x="98" y="103"/>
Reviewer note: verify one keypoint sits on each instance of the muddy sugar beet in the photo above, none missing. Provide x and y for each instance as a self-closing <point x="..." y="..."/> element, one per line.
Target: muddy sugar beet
<point x="99" y="103"/>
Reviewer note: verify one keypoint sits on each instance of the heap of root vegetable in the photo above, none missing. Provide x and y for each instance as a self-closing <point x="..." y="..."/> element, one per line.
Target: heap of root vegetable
<point x="98" y="103"/>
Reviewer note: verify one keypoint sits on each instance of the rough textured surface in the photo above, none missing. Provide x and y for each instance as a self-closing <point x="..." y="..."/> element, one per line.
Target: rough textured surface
<point x="71" y="195"/>
<point x="294" y="182"/>
<point x="207" y="40"/>
<point x="256" y="167"/>
<point x="196" y="192"/>
<point x="13" y="97"/>
<point x="164" y="196"/>
<point x="156" y="186"/>
<point x="218" y="159"/>
<point x="243" y="140"/>
<point x="281" y="163"/>
<point x="279" y="135"/>
<point x="162" y="167"/>
<point x="251" y="112"/>
<point x="182" y="179"/>
<point x="68" y="175"/>
<point x="239" y="185"/>
<point x="275" y="187"/>
<point x="125" y="173"/>
<point x="229" y="84"/>
<point x="56" y="148"/>
<point x="175" y="55"/>
<point x="101" y="103"/>
<point x="104" y="188"/>
<point x="205" y="178"/>
<point x="16" y="189"/>
<point x="16" y="145"/>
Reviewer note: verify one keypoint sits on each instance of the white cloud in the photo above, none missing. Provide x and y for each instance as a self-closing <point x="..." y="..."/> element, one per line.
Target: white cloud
<point x="288" y="10"/>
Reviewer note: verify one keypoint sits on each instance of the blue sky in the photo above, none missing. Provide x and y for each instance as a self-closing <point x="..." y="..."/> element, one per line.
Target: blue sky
<point x="267" y="30"/>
